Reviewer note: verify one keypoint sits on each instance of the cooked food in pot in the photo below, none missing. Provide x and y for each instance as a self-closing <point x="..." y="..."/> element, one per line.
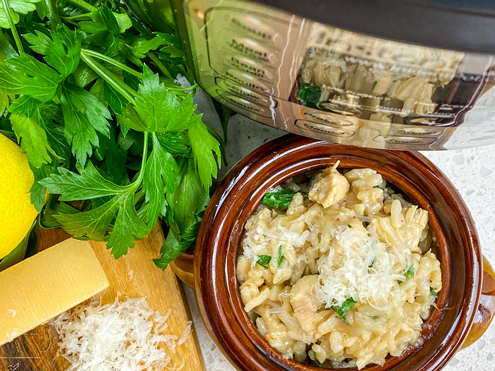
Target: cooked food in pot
<point x="336" y="269"/>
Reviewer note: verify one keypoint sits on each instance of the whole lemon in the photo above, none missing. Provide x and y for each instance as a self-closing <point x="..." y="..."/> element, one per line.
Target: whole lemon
<point x="17" y="213"/>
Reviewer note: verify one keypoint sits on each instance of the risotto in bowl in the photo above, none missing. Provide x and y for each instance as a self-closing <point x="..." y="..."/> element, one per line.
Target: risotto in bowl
<point x="337" y="270"/>
<point x="314" y="255"/>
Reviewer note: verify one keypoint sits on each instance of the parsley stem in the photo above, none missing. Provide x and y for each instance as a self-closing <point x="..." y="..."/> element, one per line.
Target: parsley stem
<point x="143" y="162"/>
<point x="160" y="65"/>
<point x="109" y="60"/>
<point x="17" y="39"/>
<point x="83" y="4"/>
<point x="110" y="78"/>
<point x="192" y="87"/>
<point x="52" y="14"/>
<point x="34" y="27"/>
<point x="79" y="17"/>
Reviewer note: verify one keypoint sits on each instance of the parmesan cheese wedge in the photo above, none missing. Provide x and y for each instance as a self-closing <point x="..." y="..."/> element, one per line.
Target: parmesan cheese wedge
<point x="46" y="285"/>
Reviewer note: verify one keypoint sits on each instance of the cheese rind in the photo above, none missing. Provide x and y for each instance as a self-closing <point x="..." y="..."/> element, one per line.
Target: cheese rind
<point x="46" y="285"/>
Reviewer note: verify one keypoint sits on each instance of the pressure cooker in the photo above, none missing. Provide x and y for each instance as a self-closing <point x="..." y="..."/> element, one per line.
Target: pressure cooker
<point x="410" y="74"/>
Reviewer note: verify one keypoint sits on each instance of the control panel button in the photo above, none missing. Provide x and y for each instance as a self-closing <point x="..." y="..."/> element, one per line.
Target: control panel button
<point x="254" y="27"/>
<point x="405" y="140"/>
<point x="324" y="129"/>
<point x="248" y="65"/>
<point x="246" y="105"/>
<point x="244" y="92"/>
<point x="247" y="79"/>
<point x="417" y="131"/>
<point x="331" y="120"/>
<point x="253" y="49"/>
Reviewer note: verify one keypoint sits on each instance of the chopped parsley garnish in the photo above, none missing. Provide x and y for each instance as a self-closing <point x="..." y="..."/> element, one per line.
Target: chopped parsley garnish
<point x="433" y="293"/>
<point x="279" y="198"/>
<point x="280" y="256"/>
<point x="264" y="260"/>
<point x="344" y="308"/>
<point x="366" y="224"/>
<point x="377" y="186"/>
<point x="409" y="274"/>
<point x="350" y="226"/>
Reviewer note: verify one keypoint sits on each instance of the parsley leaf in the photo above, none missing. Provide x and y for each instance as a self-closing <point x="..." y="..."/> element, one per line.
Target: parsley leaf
<point x="62" y="52"/>
<point x="39" y="42"/>
<point x="94" y="224"/>
<point x="154" y="104"/>
<point x="172" y="247"/>
<point x="38" y="191"/>
<point x="16" y="7"/>
<point x="26" y="75"/>
<point x="433" y="292"/>
<point x="344" y="308"/>
<point x="128" y="226"/>
<point x="189" y="197"/>
<point x="410" y="272"/>
<point x="174" y="143"/>
<point x="25" y="105"/>
<point x="187" y="202"/>
<point x="157" y="108"/>
<point x="264" y="260"/>
<point x="83" y="115"/>
<point x="4" y="103"/>
<point x="140" y="46"/>
<point x="280" y="256"/>
<point x="6" y="50"/>
<point x="88" y="185"/>
<point x="160" y="176"/>
<point x="33" y="139"/>
<point x="46" y="114"/>
<point x="112" y="158"/>
<point x="204" y="146"/>
<point x="114" y="99"/>
<point x="279" y="198"/>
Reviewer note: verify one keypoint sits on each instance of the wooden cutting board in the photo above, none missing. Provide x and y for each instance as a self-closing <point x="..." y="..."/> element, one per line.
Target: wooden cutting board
<point x="37" y="349"/>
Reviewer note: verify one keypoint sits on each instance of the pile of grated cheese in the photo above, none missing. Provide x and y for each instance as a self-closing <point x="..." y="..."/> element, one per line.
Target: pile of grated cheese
<point x="368" y="272"/>
<point x="123" y="336"/>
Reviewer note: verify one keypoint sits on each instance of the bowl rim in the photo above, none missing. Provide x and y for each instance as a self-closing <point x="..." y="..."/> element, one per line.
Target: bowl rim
<point x="216" y="282"/>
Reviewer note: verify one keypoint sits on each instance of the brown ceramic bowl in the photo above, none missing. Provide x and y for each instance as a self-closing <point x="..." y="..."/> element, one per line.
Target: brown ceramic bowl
<point x="217" y="289"/>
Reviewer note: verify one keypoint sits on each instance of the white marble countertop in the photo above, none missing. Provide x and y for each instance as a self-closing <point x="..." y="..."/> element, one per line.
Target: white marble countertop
<point x="472" y="171"/>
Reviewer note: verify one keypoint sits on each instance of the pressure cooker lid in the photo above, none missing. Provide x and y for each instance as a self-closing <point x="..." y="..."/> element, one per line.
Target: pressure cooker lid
<point x="464" y="25"/>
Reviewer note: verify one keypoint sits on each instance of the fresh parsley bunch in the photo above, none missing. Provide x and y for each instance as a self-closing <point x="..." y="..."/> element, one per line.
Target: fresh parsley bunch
<point x="90" y="94"/>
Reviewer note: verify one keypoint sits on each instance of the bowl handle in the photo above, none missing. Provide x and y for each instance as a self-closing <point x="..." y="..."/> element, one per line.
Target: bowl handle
<point x="183" y="267"/>
<point x="486" y="307"/>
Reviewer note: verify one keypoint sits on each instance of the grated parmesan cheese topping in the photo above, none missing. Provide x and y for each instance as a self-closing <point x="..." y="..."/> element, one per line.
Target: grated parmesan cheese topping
<point x="123" y="336"/>
<point x="368" y="273"/>
<point x="361" y="267"/>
